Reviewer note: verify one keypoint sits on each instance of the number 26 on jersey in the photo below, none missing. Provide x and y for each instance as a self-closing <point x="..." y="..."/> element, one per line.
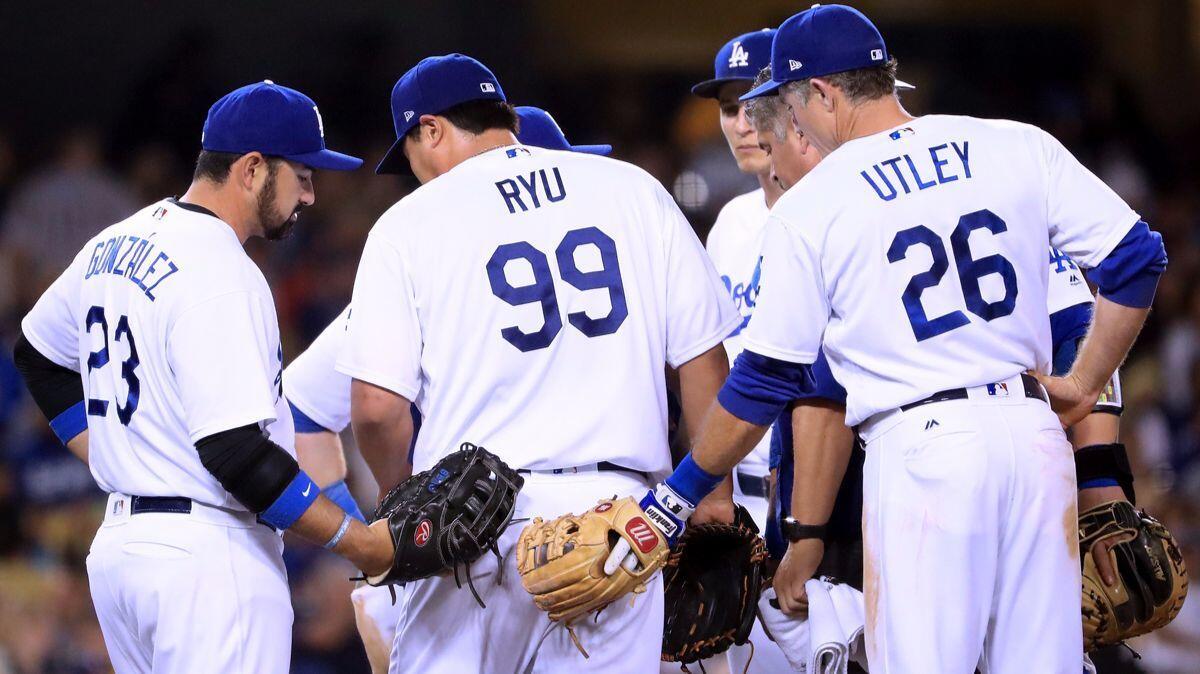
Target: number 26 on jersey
<point x="970" y="272"/>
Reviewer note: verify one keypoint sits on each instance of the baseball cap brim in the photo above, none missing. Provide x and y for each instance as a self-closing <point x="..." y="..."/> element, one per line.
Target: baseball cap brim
<point x="327" y="159"/>
<point x="768" y="88"/>
<point x="709" y="88"/>
<point x="394" y="161"/>
<point x="592" y="149"/>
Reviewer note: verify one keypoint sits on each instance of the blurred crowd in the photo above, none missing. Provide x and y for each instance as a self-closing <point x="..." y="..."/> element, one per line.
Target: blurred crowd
<point x="58" y="187"/>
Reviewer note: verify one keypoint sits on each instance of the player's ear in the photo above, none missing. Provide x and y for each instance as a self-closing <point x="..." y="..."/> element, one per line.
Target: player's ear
<point x="247" y="169"/>
<point x="432" y="129"/>
<point x="821" y="93"/>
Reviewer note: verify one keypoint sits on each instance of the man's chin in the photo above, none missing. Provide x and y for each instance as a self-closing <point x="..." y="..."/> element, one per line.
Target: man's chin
<point x="282" y="231"/>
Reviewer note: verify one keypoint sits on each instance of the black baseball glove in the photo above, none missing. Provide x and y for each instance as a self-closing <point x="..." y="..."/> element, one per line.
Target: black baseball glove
<point x="712" y="582"/>
<point x="448" y="515"/>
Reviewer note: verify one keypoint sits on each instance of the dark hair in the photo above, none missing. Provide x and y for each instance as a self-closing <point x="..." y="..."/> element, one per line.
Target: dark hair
<point x="861" y="85"/>
<point x="478" y="116"/>
<point x="215" y="166"/>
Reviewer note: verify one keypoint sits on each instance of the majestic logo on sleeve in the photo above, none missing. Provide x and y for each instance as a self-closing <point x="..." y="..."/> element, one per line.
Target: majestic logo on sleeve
<point x="739" y="57"/>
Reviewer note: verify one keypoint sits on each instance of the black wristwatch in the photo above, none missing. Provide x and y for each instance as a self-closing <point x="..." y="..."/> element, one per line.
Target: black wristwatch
<point x="794" y="531"/>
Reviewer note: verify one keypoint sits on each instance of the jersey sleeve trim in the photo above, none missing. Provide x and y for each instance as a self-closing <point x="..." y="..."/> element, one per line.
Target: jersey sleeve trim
<point x="305" y="423"/>
<point x="45" y="348"/>
<point x="710" y="340"/>
<point x="759" y="387"/>
<point x="798" y="357"/>
<point x="395" y="386"/>
<point x="244" y="418"/>
<point x="1096" y="258"/>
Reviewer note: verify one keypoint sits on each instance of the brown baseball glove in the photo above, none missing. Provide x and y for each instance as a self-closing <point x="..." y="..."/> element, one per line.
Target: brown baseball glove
<point x="1152" y="579"/>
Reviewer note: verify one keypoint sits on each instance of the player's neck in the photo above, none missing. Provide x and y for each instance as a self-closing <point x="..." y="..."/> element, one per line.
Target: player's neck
<point x="871" y="118"/>
<point x="207" y="195"/>
<point x="474" y="145"/>
<point x="771" y="189"/>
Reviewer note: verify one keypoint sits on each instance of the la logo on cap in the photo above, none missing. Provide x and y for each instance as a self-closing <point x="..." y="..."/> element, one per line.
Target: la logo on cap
<point x="487" y="87"/>
<point x="793" y="64"/>
<point x="739" y="58"/>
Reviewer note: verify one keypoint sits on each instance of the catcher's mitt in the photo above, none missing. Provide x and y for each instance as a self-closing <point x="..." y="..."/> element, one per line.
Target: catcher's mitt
<point x="713" y="580"/>
<point x="448" y="515"/>
<point x="1152" y="579"/>
<point x="562" y="561"/>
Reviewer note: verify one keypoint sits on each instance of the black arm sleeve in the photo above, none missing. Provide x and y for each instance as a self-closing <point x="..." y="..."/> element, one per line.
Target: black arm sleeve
<point x="248" y="465"/>
<point x="54" y="388"/>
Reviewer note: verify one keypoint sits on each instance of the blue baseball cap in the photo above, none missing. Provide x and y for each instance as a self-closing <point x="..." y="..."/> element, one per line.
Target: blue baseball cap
<point x="822" y="40"/>
<point x="274" y="120"/>
<point x="435" y="84"/>
<point x="739" y="60"/>
<point x="539" y="129"/>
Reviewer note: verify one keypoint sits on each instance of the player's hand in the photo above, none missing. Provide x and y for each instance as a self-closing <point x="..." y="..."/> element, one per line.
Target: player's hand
<point x="714" y="508"/>
<point x="1089" y="498"/>
<point x="797" y="567"/>
<point x="667" y="511"/>
<point x="382" y="551"/>
<point x="1069" y="398"/>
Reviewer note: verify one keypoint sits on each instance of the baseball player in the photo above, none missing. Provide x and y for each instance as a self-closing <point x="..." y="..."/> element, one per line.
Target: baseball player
<point x="319" y="397"/>
<point x="527" y="300"/>
<point x="734" y="244"/>
<point x="161" y="340"/>
<point x="969" y="483"/>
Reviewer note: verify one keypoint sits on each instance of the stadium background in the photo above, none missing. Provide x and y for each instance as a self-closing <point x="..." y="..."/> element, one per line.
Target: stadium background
<point x="103" y="104"/>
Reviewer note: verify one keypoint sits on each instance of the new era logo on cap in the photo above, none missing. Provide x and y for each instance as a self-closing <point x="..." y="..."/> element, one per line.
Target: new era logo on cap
<point x="408" y="114"/>
<point x="793" y="64"/>
<point x="487" y="87"/>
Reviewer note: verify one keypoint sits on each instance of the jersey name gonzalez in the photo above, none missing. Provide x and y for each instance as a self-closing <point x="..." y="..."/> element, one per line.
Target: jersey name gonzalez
<point x="173" y="330"/>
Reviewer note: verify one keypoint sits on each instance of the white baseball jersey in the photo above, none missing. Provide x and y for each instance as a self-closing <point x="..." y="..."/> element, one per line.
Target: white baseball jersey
<point x="311" y="383"/>
<point x="173" y="329"/>
<point x="529" y="300"/>
<point x="735" y="246"/>
<point x="917" y="257"/>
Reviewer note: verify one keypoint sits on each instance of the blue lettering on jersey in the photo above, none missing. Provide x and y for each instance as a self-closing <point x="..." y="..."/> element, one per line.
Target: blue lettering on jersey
<point x="1063" y="263"/>
<point x="535" y="187"/>
<point x="133" y="258"/>
<point x="745" y="295"/>
<point x="931" y="173"/>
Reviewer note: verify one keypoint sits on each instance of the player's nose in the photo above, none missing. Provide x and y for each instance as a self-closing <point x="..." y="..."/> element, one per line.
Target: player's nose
<point x="743" y="123"/>
<point x="308" y="195"/>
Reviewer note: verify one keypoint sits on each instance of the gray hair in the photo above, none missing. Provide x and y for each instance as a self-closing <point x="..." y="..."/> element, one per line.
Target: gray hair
<point x="859" y="86"/>
<point x="768" y="113"/>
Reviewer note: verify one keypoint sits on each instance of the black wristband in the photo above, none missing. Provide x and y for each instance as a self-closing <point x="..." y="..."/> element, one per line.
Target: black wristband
<point x="1105" y="461"/>
<point x="794" y="531"/>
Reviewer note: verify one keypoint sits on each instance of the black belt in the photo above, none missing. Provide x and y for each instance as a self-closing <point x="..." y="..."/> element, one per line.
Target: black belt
<point x="159" y="504"/>
<point x="169" y="504"/>
<point x="1032" y="390"/>
<point x="752" y="485"/>
<point x="603" y="465"/>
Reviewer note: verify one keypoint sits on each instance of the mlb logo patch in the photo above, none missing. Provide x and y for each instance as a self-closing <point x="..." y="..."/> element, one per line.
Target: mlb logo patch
<point x="876" y="54"/>
<point x="900" y="133"/>
<point x="159" y="213"/>
<point x="118" y="507"/>
<point x="487" y="87"/>
<point x="794" y="65"/>
<point x="998" y="390"/>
